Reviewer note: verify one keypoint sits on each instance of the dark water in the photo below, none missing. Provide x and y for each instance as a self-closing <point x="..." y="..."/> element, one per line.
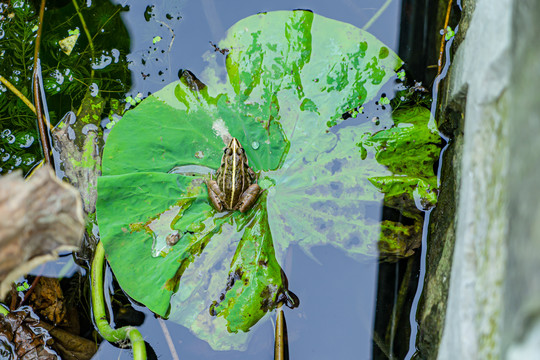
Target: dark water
<point x="334" y="320"/>
<point x="208" y="20"/>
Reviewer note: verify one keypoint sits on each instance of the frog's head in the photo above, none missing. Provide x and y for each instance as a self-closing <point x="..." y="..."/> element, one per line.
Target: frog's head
<point x="235" y="148"/>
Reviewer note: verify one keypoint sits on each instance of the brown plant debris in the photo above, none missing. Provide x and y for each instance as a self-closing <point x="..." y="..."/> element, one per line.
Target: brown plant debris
<point x="25" y="339"/>
<point x="38" y="218"/>
<point x="47" y="300"/>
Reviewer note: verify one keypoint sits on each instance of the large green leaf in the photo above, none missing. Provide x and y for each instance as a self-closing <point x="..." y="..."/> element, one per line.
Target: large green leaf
<point x="289" y="78"/>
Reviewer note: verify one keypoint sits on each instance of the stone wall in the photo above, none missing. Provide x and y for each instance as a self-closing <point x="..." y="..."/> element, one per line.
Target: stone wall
<point x="521" y="302"/>
<point x="494" y="291"/>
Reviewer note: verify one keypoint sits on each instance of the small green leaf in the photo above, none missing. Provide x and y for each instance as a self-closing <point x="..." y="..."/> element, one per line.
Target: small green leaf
<point x="384" y="100"/>
<point x="449" y="33"/>
<point x="131" y="100"/>
<point x="23" y="287"/>
<point x="156" y="39"/>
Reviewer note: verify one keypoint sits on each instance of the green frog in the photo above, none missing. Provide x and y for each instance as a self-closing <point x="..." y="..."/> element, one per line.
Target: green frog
<point x="234" y="186"/>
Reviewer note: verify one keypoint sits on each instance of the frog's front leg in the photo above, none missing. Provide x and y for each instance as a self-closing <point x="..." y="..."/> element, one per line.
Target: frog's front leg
<point x="251" y="174"/>
<point x="248" y="198"/>
<point x="215" y="194"/>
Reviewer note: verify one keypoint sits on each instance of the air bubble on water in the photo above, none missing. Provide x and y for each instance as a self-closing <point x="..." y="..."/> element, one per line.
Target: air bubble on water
<point x="116" y="55"/>
<point x="102" y="63"/>
<point x="94" y="89"/>
<point x="255" y="145"/>
<point x="57" y="75"/>
<point x="28" y="141"/>
<point x="29" y="161"/>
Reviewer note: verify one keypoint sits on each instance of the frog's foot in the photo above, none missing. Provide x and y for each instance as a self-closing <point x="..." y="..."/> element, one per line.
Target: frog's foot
<point x="248" y="198"/>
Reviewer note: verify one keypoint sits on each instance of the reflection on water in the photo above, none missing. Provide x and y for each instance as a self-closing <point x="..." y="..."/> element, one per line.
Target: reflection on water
<point x="334" y="320"/>
<point x="185" y="40"/>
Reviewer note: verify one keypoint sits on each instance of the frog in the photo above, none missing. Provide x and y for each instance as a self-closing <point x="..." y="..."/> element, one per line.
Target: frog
<point x="234" y="186"/>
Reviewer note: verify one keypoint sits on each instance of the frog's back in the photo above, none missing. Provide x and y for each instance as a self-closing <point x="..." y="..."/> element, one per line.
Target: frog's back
<point x="234" y="182"/>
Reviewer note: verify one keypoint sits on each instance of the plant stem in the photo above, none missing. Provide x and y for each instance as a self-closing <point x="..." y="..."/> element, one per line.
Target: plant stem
<point x="441" y="51"/>
<point x="382" y="346"/>
<point x="399" y="302"/>
<point x="87" y="33"/>
<point x="31" y="289"/>
<point x="37" y="97"/>
<point x="169" y="339"/>
<point x="19" y="94"/>
<point x="100" y="317"/>
<point x="281" y="342"/>
<point x="377" y="15"/>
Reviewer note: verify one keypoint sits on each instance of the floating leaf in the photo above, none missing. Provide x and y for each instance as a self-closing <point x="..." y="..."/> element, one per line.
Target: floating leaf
<point x="67" y="44"/>
<point x="449" y="33"/>
<point x="288" y="74"/>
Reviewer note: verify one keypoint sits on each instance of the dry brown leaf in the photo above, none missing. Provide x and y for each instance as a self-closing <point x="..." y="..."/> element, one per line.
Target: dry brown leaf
<point x="27" y="340"/>
<point x="47" y="300"/>
<point x="70" y="346"/>
<point x="27" y="337"/>
<point x="38" y="218"/>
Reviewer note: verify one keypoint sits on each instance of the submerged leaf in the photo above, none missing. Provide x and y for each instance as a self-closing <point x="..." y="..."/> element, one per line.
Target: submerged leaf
<point x="23" y="338"/>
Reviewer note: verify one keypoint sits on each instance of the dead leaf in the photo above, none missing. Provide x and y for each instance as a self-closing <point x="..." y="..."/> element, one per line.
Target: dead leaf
<point x="77" y="141"/>
<point x="47" y="300"/>
<point x="28" y="341"/>
<point x="38" y="218"/>
<point x="67" y="44"/>
<point x="70" y="346"/>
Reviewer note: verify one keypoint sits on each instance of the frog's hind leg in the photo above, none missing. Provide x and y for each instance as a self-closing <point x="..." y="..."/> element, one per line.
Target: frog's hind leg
<point x="215" y="194"/>
<point x="248" y="198"/>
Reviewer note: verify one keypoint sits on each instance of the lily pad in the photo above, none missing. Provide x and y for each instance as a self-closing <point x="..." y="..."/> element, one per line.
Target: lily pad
<point x="289" y="78"/>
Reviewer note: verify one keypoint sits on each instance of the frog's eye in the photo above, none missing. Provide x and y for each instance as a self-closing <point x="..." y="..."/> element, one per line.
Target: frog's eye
<point x="225" y="151"/>
<point x="241" y="151"/>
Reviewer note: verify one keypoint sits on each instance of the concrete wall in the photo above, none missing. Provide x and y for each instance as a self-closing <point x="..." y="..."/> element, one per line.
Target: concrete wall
<point x="521" y="307"/>
<point x="494" y="294"/>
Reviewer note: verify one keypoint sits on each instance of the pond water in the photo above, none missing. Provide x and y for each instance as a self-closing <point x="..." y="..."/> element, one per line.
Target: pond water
<point x="342" y="300"/>
<point x="338" y="295"/>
